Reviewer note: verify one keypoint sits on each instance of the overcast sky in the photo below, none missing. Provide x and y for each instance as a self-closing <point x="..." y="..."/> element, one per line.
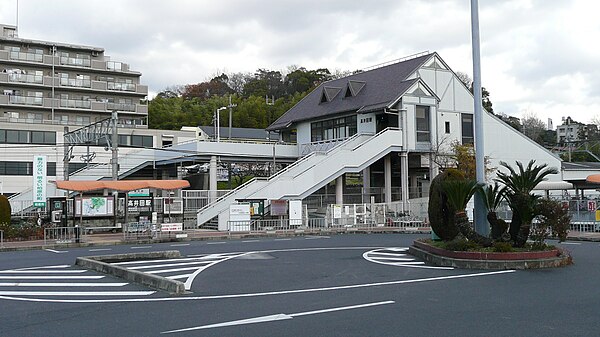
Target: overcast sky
<point x="537" y="57"/>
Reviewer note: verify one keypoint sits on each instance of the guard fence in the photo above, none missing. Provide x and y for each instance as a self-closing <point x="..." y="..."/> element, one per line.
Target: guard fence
<point x="64" y="235"/>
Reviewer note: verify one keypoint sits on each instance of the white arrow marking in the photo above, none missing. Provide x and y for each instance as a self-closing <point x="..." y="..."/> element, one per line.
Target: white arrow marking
<point x="277" y="317"/>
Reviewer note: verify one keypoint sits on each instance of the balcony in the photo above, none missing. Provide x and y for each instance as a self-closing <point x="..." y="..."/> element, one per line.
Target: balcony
<point x="72" y="61"/>
<point x="75" y="104"/>
<point x="29" y="57"/>
<point x="23" y="78"/>
<point x="73" y="82"/>
<point x="25" y="100"/>
<point x="120" y="106"/>
<point x="121" y="86"/>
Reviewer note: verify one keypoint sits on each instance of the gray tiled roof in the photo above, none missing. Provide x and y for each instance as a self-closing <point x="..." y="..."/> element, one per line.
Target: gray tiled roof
<point x="382" y="86"/>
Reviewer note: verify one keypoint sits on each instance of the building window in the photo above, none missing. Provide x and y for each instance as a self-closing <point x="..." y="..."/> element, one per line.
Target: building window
<point x="141" y="141"/>
<point x="43" y="137"/>
<point x="467" y="128"/>
<point x="16" y="168"/>
<point x="27" y="137"/>
<point x="338" y="128"/>
<point x="447" y="127"/>
<point x="422" y="125"/>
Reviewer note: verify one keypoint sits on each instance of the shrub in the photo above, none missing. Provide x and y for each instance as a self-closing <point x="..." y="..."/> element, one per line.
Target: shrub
<point x="441" y="213"/>
<point x="4" y="210"/>
<point x="503" y="247"/>
<point x="461" y="244"/>
<point x="552" y="219"/>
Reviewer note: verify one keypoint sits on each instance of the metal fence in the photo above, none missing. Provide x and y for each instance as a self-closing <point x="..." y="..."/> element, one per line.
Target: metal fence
<point x="64" y="235"/>
<point x="1" y="239"/>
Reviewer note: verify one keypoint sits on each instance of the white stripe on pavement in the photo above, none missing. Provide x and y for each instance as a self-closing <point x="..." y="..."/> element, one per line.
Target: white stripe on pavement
<point x="76" y="293"/>
<point x="55" y="284"/>
<point x="32" y="271"/>
<point x="278" y="317"/>
<point x="140" y="247"/>
<point x="180" y="245"/>
<point x="50" y="277"/>
<point x="172" y="270"/>
<point x="56" y="251"/>
<point x="170" y="265"/>
<point x="44" y="267"/>
<point x="174" y="277"/>
<point x="215" y="243"/>
<point x="99" y="249"/>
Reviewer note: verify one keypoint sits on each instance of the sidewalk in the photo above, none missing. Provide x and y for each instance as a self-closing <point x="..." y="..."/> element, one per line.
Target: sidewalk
<point x="199" y="234"/>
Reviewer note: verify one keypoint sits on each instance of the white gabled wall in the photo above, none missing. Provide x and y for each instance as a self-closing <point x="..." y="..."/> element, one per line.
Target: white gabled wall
<point x="502" y="142"/>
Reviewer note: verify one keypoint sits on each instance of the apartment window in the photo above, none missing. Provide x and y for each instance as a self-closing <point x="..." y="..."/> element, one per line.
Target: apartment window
<point x="447" y="127"/>
<point x="422" y="125"/>
<point x="61" y="119"/>
<point x="43" y="137"/>
<point x="17" y="136"/>
<point x="35" y="117"/>
<point x="16" y="168"/>
<point x="10" y="114"/>
<point x="73" y="167"/>
<point x="82" y="120"/>
<point x="467" y="128"/>
<point x="123" y="140"/>
<point x="141" y="141"/>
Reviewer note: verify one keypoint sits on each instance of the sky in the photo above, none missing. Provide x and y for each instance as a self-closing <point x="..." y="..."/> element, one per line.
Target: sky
<point x="539" y="58"/>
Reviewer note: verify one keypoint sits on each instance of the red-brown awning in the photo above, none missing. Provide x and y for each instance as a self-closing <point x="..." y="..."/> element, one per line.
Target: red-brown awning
<point x="593" y="178"/>
<point x="120" y="185"/>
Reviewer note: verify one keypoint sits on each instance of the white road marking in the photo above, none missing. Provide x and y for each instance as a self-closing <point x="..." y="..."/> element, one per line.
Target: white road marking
<point x="282" y="240"/>
<point x="381" y="256"/>
<point x="394" y="258"/>
<point x="54" y="284"/>
<point x="570" y="243"/>
<point x="215" y="243"/>
<point x="169" y="265"/>
<point x="28" y="277"/>
<point x="250" y="241"/>
<point x="190" y="280"/>
<point x="278" y="317"/>
<point x="56" y="251"/>
<point x="180" y="245"/>
<point x="196" y="257"/>
<point x="76" y="293"/>
<point x="33" y="271"/>
<point x="270" y="293"/>
<point x="45" y="267"/>
<point x="141" y="247"/>
<point x="99" y="249"/>
<point x="174" y="277"/>
<point x="161" y="271"/>
<point x="316" y="237"/>
<point x="385" y="254"/>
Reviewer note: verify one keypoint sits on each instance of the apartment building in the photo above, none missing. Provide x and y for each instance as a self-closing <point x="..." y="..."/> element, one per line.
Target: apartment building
<point x="47" y="86"/>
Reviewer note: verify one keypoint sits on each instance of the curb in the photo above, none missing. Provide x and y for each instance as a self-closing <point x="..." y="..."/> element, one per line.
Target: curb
<point x="102" y="264"/>
<point x="563" y="259"/>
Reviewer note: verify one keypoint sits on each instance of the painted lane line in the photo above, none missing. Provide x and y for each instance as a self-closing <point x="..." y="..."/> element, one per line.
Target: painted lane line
<point x="245" y="241"/>
<point x="56" y="251"/>
<point x="200" y="263"/>
<point x="204" y="257"/>
<point x="180" y="245"/>
<point x="390" y="261"/>
<point x="316" y="237"/>
<point x="248" y="295"/>
<point x="174" y="277"/>
<point x="160" y="271"/>
<point x="282" y="240"/>
<point x="386" y="258"/>
<point x="141" y="247"/>
<point x="32" y="271"/>
<point x="386" y="254"/>
<point x="216" y="243"/>
<point x="45" y="267"/>
<point x="396" y="249"/>
<point x="76" y="293"/>
<point x="287" y="250"/>
<point x="278" y="317"/>
<point x="28" y="277"/>
<point x="570" y="243"/>
<point x="190" y="280"/>
<point x="55" y="284"/>
<point x="99" y="249"/>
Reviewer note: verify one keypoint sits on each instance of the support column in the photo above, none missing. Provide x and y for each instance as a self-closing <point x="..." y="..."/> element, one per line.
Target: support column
<point x="404" y="179"/>
<point x="212" y="180"/>
<point x="339" y="190"/>
<point x="387" y="172"/>
<point x="366" y="191"/>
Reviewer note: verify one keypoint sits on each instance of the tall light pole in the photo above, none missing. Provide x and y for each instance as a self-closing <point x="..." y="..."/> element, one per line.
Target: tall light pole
<point x="230" y="106"/>
<point x="217" y="120"/>
<point x="481" y="224"/>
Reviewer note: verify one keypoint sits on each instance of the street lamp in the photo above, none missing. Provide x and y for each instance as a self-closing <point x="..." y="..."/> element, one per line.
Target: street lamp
<point x="217" y="132"/>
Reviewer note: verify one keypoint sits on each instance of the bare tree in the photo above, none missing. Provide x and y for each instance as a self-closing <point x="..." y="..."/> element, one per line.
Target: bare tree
<point x="533" y="127"/>
<point x="465" y="78"/>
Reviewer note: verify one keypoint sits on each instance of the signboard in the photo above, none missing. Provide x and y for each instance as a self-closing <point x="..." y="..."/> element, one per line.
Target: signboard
<point x="94" y="206"/>
<point x="171" y="227"/>
<point x="142" y="192"/>
<point x="337" y="211"/>
<point x="173" y="206"/>
<point x="591" y="206"/>
<point x="39" y="181"/>
<point x="239" y="217"/>
<point x="139" y="205"/>
<point x="278" y="207"/>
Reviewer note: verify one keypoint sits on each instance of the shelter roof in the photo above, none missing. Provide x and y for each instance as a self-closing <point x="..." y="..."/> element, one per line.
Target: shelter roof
<point x="120" y="185"/>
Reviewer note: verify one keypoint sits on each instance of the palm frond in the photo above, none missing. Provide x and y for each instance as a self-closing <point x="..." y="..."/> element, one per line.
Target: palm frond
<point x="459" y="192"/>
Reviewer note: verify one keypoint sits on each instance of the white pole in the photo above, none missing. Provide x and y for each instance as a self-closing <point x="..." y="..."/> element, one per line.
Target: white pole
<point x="481" y="224"/>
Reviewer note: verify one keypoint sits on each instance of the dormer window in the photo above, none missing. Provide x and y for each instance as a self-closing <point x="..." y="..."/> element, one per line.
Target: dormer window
<point x="329" y="93"/>
<point x="353" y="88"/>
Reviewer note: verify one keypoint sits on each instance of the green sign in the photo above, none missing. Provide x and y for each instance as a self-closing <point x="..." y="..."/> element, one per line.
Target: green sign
<point x="39" y="204"/>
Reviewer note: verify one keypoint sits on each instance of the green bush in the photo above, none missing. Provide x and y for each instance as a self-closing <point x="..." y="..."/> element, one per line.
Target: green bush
<point x="461" y="245"/>
<point x="4" y="210"/>
<point x="441" y="213"/>
<point x="552" y="219"/>
<point x="502" y="247"/>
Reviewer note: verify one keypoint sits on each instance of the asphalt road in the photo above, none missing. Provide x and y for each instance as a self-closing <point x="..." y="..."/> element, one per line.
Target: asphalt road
<point x="344" y="285"/>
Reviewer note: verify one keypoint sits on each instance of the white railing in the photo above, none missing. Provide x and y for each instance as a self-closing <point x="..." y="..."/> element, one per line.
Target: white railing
<point x="64" y="235"/>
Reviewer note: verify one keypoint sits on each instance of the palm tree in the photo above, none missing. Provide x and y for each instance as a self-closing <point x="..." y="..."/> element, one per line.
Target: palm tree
<point x="518" y="194"/>
<point x="493" y="195"/>
<point x="459" y="193"/>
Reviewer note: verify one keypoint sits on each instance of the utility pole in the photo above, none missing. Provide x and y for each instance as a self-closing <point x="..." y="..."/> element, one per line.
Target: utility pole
<point x="481" y="224"/>
<point x="115" y="146"/>
<point x="230" y="106"/>
<point x="66" y="156"/>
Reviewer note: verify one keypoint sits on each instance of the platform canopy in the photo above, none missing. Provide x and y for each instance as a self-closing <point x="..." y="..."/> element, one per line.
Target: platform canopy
<point x="120" y="185"/>
<point x="593" y="178"/>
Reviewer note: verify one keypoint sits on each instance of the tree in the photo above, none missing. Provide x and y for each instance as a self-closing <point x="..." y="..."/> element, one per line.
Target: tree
<point x="5" y="210"/>
<point x="216" y="86"/>
<point x="533" y="127"/>
<point x="485" y="94"/>
<point x="519" y="185"/>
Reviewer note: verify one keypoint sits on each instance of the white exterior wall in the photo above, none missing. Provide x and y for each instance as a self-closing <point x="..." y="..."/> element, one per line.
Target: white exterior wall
<point x="303" y="133"/>
<point x="366" y="123"/>
<point x="502" y="142"/>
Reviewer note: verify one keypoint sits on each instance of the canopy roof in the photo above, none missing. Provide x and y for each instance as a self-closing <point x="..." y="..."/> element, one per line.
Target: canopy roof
<point x="120" y="185"/>
<point x="593" y="178"/>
